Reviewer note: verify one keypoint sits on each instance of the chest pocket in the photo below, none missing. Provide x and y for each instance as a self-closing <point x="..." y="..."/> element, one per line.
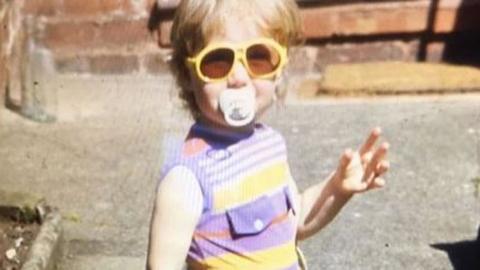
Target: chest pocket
<point x="254" y="217"/>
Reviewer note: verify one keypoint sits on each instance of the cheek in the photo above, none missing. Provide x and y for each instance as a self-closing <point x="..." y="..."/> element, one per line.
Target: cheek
<point x="265" y="90"/>
<point x="207" y="95"/>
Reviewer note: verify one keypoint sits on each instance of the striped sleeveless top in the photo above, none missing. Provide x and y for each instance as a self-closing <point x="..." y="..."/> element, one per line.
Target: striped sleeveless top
<point x="248" y="217"/>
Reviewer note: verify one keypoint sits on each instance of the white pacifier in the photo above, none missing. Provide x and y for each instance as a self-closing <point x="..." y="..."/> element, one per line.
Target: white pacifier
<point x="237" y="106"/>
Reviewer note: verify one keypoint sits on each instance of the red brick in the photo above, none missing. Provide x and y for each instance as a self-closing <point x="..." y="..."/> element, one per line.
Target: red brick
<point x="435" y="51"/>
<point x="445" y="21"/>
<point x="114" y="64"/>
<point x="99" y="64"/>
<point x="125" y="32"/>
<point x="96" y="7"/>
<point x="70" y="35"/>
<point x="459" y="19"/>
<point x="78" y="8"/>
<point x="364" y="19"/>
<point x="164" y="33"/>
<point x="375" y="18"/>
<point x="399" y="20"/>
<point x="91" y="35"/>
<point x="318" y="22"/>
<point x="366" y="52"/>
<point x="75" y="64"/>
<point x="156" y="63"/>
<point x="313" y="59"/>
<point x="48" y="8"/>
<point x="360" y="21"/>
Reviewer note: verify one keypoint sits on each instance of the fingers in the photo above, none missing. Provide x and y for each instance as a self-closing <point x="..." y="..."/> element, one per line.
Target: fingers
<point x="343" y="164"/>
<point x="375" y="166"/>
<point x="367" y="157"/>
<point x="361" y="171"/>
<point x="378" y="182"/>
<point x="370" y="142"/>
<point x="382" y="168"/>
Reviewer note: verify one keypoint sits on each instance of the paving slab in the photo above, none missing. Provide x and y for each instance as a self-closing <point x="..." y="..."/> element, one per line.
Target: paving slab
<point x="103" y="263"/>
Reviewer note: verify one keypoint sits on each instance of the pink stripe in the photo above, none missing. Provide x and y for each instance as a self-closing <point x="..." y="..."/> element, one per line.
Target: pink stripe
<point x="275" y="235"/>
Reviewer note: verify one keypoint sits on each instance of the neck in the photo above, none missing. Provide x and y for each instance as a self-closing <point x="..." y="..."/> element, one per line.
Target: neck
<point x="247" y="129"/>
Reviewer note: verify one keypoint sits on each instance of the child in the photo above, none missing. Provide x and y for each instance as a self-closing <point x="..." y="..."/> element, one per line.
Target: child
<point x="228" y="201"/>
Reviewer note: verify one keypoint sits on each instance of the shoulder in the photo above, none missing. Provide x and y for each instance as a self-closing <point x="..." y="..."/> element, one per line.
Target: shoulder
<point x="183" y="153"/>
<point x="193" y="146"/>
<point x="180" y="175"/>
<point x="267" y="131"/>
<point x="180" y="172"/>
<point x="180" y="188"/>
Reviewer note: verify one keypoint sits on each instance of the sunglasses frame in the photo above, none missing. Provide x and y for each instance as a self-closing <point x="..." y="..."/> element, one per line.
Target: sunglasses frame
<point x="240" y="54"/>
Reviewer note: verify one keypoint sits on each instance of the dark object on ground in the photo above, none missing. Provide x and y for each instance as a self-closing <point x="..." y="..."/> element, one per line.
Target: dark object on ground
<point x="464" y="255"/>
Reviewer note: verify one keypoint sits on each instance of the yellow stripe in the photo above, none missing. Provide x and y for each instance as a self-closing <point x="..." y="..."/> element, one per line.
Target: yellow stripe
<point x="274" y="259"/>
<point x="250" y="187"/>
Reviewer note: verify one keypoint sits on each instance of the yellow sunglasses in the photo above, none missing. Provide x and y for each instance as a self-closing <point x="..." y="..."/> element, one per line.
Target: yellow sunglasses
<point x="263" y="58"/>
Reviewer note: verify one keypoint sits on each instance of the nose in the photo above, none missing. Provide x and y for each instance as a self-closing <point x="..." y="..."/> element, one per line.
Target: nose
<point x="239" y="77"/>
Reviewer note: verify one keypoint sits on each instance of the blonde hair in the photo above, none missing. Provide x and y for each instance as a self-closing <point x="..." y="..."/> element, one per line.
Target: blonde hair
<point x="196" y="21"/>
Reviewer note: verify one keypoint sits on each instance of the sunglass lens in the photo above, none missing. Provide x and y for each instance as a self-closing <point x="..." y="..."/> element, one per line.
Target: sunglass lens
<point x="217" y="63"/>
<point x="262" y="59"/>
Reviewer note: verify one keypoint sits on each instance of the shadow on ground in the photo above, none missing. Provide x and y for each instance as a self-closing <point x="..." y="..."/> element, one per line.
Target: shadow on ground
<point x="464" y="255"/>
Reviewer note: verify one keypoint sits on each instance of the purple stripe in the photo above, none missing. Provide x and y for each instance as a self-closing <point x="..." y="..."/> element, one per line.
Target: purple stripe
<point x="276" y="235"/>
<point x="217" y="222"/>
<point x="205" y="181"/>
<point x="260" y="135"/>
<point x="233" y="173"/>
<point x="241" y="147"/>
<point x="235" y="161"/>
<point x="246" y="152"/>
<point x="294" y="266"/>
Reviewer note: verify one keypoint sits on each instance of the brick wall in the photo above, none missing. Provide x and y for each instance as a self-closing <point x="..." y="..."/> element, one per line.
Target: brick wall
<point x="340" y="31"/>
<point x="90" y="36"/>
<point x="122" y="36"/>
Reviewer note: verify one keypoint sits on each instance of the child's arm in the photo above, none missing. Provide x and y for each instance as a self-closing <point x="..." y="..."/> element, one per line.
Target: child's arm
<point x="177" y="209"/>
<point x="357" y="172"/>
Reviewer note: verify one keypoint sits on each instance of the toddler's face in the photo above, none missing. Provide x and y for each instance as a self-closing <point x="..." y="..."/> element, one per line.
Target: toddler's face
<point x="208" y="95"/>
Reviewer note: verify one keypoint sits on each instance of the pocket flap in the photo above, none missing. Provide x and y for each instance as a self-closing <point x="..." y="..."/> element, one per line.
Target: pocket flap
<point x="251" y="218"/>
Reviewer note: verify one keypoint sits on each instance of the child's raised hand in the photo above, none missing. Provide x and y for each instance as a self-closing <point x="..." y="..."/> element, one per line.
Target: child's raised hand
<point x="362" y="170"/>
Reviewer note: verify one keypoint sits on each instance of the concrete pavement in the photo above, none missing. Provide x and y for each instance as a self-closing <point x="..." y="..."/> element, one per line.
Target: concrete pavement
<point x="100" y="162"/>
<point x="429" y="198"/>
